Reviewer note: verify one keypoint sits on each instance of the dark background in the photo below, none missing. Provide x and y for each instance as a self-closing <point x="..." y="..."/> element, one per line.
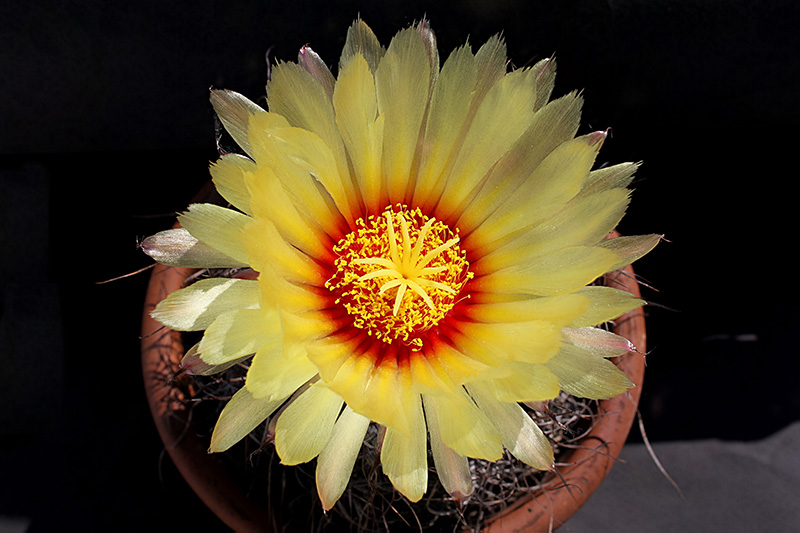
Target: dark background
<point x="106" y="132"/>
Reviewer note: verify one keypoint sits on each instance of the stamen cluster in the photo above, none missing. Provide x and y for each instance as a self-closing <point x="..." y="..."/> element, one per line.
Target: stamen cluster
<point x="398" y="284"/>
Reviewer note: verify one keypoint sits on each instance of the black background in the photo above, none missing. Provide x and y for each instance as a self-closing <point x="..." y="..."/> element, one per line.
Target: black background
<point x="106" y="132"/>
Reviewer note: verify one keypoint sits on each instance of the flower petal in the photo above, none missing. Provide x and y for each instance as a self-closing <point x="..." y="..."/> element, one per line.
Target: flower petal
<point x="266" y="192"/>
<point x="266" y="247"/>
<point x="218" y="227"/>
<point x="631" y="248"/>
<point x="610" y="177"/>
<point x="457" y="365"/>
<point x="521" y="435"/>
<point x="605" y="303"/>
<point x="236" y="334"/>
<point x="600" y="342"/>
<point x="179" y="248"/>
<point x="228" y="175"/>
<point x="195" y="307"/>
<point x="361" y="127"/>
<point x="234" y="110"/>
<point x="463" y="427"/>
<point x="452" y="468"/>
<point x="292" y="297"/>
<point x="305" y="427"/>
<point x="428" y="375"/>
<point x="194" y="365"/>
<point x="525" y="382"/>
<point x="336" y="460"/>
<point x="490" y="61"/>
<point x="294" y="94"/>
<point x="361" y="40"/>
<point x="545" y="71"/>
<point x="241" y="415"/>
<point x="551" y="126"/>
<point x="404" y="457"/>
<point x="586" y="375"/>
<point x="449" y="107"/>
<point x="298" y="159"/>
<point x="559" y="272"/>
<point x="560" y="310"/>
<point x="583" y="222"/>
<point x="554" y="182"/>
<point x="314" y="65"/>
<point x="383" y="396"/>
<point x="277" y="372"/>
<point x="402" y="88"/>
<point x="488" y="138"/>
<point x="535" y="341"/>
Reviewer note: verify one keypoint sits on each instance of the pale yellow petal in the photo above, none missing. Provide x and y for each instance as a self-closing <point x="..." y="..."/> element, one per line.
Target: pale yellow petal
<point x="293" y="93"/>
<point x="551" y="126"/>
<point x="452" y="468"/>
<point x="606" y="303"/>
<point x="241" y="415"/>
<point x="402" y="87"/>
<point x="532" y="342"/>
<point x="314" y="65"/>
<point x="311" y="325"/>
<point x="285" y="152"/>
<point x="631" y="248"/>
<point x="195" y="307"/>
<point x="193" y="365"/>
<point x="236" y="334"/>
<point x="610" y="177"/>
<point x="447" y="120"/>
<point x="559" y="272"/>
<point x="525" y="382"/>
<point x="228" y="174"/>
<point x="586" y="375"/>
<point x="296" y="95"/>
<point x="600" y="342"/>
<point x="305" y="427"/>
<point x="584" y="221"/>
<point x="292" y="297"/>
<point x="361" y="127"/>
<point x="490" y="61"/>
<point x="428" y="375"/>
<point x="362" y="41"/>
<point x="336" y="460"/>
<point x="330" y="354"/>
<point x="384" y="397"/>
<point x="312" y="157"/>
<point x="456" y="365"/>
<point x="267" y="192"/>
<point x="545" y="72"/>
<point x="278" y="371"/>
<point x="501" y="118"/>
<point x="218" y="227"/>
<point x="266" y="246"/>
<point x="548" y="189"/>
<point x="464" y="428"/>
<point x="177" y="247"/>
<point x="234" y="110"/>
<point x="560" y="310"/>
<point x="521" y="435"/>
<point x="404" y="457"/>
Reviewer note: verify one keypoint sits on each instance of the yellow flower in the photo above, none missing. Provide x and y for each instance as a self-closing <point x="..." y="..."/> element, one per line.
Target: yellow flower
<point x="423" y="240"/>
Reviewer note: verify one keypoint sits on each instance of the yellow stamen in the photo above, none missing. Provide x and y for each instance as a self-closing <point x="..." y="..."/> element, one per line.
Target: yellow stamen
<point x="422" y="261"/>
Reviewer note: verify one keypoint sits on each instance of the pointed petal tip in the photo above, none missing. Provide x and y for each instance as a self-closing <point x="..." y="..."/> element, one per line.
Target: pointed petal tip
<point x="597" y="138"/>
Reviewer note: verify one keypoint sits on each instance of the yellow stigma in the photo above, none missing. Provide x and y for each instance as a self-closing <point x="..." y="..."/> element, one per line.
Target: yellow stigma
<point x="398" y="284"/>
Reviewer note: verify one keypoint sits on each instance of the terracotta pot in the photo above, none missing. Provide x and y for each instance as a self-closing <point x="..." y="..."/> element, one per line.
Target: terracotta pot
<point x="211" y="478"/>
